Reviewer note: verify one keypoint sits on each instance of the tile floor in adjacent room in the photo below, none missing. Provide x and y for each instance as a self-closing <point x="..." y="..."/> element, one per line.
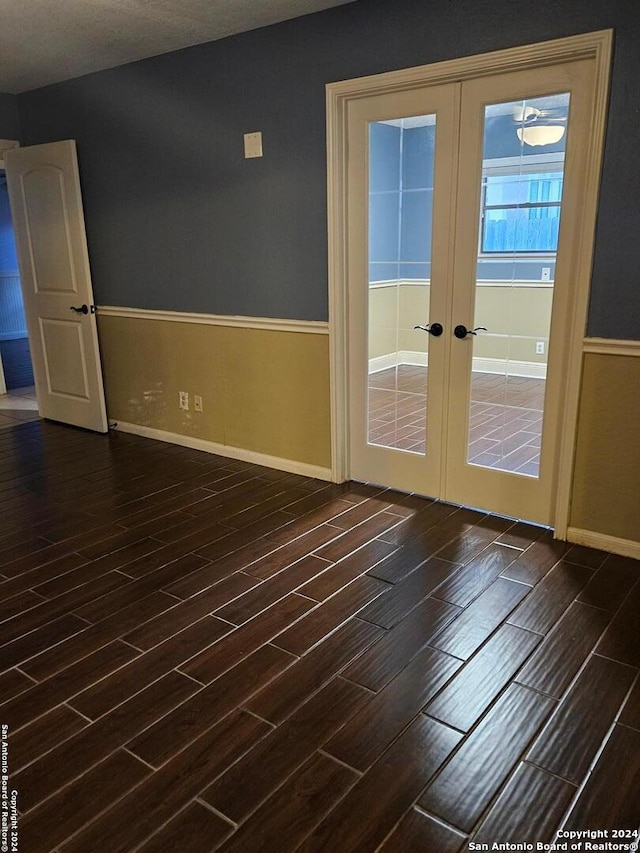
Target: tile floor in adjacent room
<point x="18" y="406"/>
<point x="505" y="418"/>
<point x="198" y="654"/>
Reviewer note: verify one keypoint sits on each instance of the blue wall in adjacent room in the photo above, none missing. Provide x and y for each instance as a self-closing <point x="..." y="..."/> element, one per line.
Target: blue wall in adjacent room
<point x="400" y="201"/>
<point x="8" y="259"/>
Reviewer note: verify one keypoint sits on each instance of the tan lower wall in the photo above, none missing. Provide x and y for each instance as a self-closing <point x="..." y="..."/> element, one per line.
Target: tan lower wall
<point x="264" y="391"/>
<point x="268" y="392"/>
<point x="516" y="319"/>
<point x="606" y="484"/>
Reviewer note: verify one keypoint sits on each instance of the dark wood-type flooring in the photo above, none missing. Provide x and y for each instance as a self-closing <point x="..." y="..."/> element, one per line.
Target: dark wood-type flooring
<point x="199" y="654"/>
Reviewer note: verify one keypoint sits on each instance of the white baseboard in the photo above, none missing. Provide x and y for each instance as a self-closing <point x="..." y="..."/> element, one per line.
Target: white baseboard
<point x="253" y="457"/>
<point x="603" y="542"/>
<point x="393" y="359"/>
<point x="413" y="357"/>
<point x="506" y="367"/>
<point x="383" y="362"/>
<point x="499" y="366"/>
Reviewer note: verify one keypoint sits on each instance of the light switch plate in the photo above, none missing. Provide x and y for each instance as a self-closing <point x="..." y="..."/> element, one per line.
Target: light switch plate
<point x="253" y="144"/>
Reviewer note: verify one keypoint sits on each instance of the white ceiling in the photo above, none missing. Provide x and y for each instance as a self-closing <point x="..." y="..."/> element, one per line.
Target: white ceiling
<point x="46" y="41"/>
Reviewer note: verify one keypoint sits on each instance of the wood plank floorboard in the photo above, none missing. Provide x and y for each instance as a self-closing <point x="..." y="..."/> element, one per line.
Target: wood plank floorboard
<point x="311" y="629"/>
<point x="401" y="644"/>
<point x="611" y="584"/>
<point x="363" y="818"/>
<point x="479" y="620"/>
<point x="228" y="651"/>
<point x="248" y="605"/>
<point x="210" y="704"/>
<point x="481" y="680"/>
<point x="12" y="683"/>
<point x="155" y="800"/>
<point x="536" y="560"/>
<point x="485" y="760"/>
<point x="71" y="758"/>
<point x="193" y="830"/>
<point x="35" y="739"/>
<point x="347" y="569"/>
<point x="364" y="739"/>
<point x="52" y="660"/>
<point x="295" y="809"/>
<point x="475" y="576"/>
<point x="144" y="669"/>
<point x="621" y="640"/>
<point x="610" y="797"/>
<point x="286" y="693"/>
<point x="574" y="734"/>
<point x="564" y="650"/>
<point x="68" y="810"/>
<point x="65" y="684"/>
<point x="390" y="609"/>
<point x="528" y="810"/>
<point x="631" y="713"/>
<point x="19" y="604"/>
<point x="202" y="654"/>
<point x="543" y="607"/>
<point x="240" y="790"/>
<point x="419" y="831"/>
<point x="280" y="558"/>
<point x="405" y="559"/>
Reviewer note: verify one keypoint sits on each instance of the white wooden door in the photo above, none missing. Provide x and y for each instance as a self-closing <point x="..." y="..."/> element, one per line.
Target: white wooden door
<point x="504" y="412"/>
<point x="48" y="220"/>
<point x="387" y="417"/>
<point x="470" y="415"/>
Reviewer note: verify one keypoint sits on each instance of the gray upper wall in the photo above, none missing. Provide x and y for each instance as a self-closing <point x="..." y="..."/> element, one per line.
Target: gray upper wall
<point x="9" y="122"/>
<point x="177" y="219"/>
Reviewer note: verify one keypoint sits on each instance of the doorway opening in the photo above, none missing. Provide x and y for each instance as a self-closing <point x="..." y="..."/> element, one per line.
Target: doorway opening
<point x="17" y="398"/>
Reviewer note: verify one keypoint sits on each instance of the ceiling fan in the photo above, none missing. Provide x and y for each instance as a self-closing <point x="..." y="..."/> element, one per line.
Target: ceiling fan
<point x="539" y="127"/>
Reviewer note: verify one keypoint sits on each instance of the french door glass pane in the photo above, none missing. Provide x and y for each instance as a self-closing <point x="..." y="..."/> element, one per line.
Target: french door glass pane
<point x="521" y="203"/>
<point x="401" y="179"/>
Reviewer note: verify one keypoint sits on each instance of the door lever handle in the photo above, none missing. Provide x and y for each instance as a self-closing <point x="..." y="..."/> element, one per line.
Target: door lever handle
<point x="434" y="329"/>
<point x="84" y="309"/>
<point x="462" y="331"/>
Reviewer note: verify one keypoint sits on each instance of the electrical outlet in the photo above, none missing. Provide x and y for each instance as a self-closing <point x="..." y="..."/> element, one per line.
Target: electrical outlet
<point x="183" y="400"/>
<point x="539" y="347"/>
<point x="197" y="402"/>
<point x="546" y="274"/>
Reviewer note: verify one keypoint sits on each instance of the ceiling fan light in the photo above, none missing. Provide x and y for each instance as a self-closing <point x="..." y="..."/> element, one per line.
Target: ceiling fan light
<point x="540" y="134"/>
<point x="524" y="113"/>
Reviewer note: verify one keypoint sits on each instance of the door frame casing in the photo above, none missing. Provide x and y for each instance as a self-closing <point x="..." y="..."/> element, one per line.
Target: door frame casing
<point x="596" y="46"/>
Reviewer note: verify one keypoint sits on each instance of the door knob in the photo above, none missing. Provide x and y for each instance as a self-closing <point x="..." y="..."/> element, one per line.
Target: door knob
<point x="462" y="331"/>
<point x="434" y="329"/>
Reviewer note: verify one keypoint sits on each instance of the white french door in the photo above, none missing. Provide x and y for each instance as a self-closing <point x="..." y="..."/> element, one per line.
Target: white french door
<point x="464" y="222"/>
<point x="383" y="309"/>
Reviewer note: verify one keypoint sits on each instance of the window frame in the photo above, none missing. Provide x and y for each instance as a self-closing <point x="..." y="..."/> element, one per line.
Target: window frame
<point x="528" y="164"/>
